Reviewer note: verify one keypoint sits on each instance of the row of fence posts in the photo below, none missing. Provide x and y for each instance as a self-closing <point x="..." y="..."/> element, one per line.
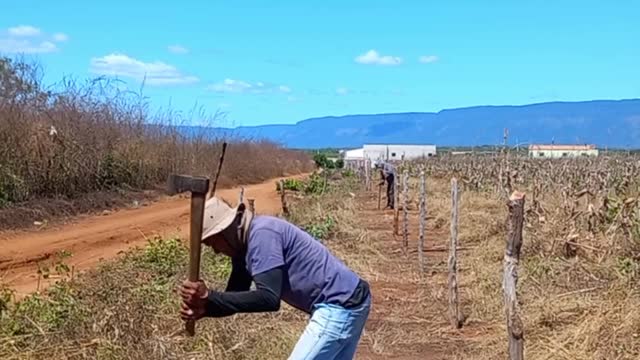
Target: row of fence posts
<point x="515" y="221"/>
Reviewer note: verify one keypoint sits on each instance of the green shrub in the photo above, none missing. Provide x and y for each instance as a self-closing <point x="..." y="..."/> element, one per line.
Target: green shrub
<point x="321" y="230"/>
<point x="163" y="256"/>
<point x="6" y="296"/>
<point x="322" y="161"/>
<point x="215" y="266"/>
<point x="348" y="173"/>
<point x="291" y="184"/>
<point x="42" y="312"/>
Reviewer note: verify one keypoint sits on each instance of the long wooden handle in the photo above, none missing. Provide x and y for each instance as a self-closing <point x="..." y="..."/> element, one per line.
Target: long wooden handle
<point x="195" y="234"/>
<point x="212" y="192"/>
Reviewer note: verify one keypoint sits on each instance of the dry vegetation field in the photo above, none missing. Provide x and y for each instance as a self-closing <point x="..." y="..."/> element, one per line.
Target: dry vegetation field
<point x="75" y="147"/>
<point x="579" y="271"/>
<point x="578" y="276"/>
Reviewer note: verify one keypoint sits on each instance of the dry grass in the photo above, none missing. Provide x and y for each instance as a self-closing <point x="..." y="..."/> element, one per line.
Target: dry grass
<point x="72" y="139"/>
<point x="577" y="304"/>
<point x="127" y="309"/>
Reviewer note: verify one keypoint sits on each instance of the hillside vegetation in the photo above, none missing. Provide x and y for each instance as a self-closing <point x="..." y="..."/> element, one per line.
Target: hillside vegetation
<point x="75" y="139"/>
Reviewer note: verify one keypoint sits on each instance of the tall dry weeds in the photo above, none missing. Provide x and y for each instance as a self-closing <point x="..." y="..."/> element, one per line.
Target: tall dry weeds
<point x="75" y="138"/>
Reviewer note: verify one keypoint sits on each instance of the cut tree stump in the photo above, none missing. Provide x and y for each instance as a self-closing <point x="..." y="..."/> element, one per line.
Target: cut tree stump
<point x="515" y="329"/>
<point x="454" y="301"/>
<point x="405" y="210"/>
<point x="423" y="216"/>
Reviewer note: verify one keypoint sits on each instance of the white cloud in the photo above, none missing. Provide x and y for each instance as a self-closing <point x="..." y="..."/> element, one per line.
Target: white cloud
<point x="372" y="57"/>
<point x="60" y="37"/>
<point x="27" y="39"/>
<point x="231" y="86"/>
<point x="428" y="59"/>
<point x="177" y="49"/>
<point x="244" y="87"/>
<point x="342" y="91"/>
<point x="24" y="30"/>
<point x="22" y="46"/>
<point x="153" y="73"/>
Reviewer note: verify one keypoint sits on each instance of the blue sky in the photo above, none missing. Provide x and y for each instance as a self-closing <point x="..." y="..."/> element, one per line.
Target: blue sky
<point x="283" y="61"/>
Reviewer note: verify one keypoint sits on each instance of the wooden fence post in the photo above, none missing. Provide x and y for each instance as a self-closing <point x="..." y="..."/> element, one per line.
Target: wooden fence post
<point x="423" y="215"/>
<point x="515" y="328"/>
<point x="405" y="210"/>
<point x="364" y="171"/>
<point x="454" y="301"/>
<point x="396" y="204"/>
<point x="285" y="208"/>
<point x="252" y="205"/>
<point x="367" y="174"/>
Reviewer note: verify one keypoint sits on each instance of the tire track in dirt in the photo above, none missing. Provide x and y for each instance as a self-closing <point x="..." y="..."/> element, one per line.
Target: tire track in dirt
<point x="96" y="238"/>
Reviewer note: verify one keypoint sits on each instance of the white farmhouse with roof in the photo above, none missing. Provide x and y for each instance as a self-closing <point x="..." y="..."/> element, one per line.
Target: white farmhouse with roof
<point x="553" y="151"/>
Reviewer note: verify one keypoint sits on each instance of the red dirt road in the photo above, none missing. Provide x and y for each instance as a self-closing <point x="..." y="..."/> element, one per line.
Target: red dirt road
<point x="97" y="238"/>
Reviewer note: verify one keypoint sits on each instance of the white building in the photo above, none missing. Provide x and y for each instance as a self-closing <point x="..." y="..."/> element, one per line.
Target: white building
<point x="561" y="151"/>
<point x="397" y="152"/>
<point x="353" y="158"/>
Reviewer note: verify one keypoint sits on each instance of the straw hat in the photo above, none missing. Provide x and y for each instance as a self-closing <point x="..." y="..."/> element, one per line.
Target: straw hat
<point x="218" y="215"/>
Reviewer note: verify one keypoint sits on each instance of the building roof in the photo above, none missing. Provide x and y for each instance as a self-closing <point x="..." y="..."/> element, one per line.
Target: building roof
<point x="536" y="147"/>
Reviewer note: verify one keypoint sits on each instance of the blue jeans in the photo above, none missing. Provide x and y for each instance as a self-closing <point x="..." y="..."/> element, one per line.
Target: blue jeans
<point x="333" y="332"/>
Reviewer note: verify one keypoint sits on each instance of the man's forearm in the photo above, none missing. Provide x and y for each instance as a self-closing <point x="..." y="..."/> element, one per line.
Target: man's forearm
<point x="228" y="303"/>
<point x="265" y="298"/>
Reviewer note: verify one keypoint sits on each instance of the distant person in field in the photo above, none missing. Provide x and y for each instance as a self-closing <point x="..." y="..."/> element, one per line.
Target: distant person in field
<point x="388" y="175"/>
<point x="288" y="264"/>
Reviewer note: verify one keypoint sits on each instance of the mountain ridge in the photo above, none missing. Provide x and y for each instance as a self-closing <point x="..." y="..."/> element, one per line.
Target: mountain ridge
<point x="606" y="123"/>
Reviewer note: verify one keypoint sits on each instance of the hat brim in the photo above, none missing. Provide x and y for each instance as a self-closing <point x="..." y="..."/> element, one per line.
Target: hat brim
<point x="222" y="224"/>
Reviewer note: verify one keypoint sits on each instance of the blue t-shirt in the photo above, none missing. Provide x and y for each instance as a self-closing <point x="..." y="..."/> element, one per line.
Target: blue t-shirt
<point x="312" y="275"/>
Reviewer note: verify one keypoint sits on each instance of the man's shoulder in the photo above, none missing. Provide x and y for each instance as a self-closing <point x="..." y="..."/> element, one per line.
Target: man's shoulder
<point x="263" y="222"/>
<point x="266" y="225"/>
<point x="262" y="225"/>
